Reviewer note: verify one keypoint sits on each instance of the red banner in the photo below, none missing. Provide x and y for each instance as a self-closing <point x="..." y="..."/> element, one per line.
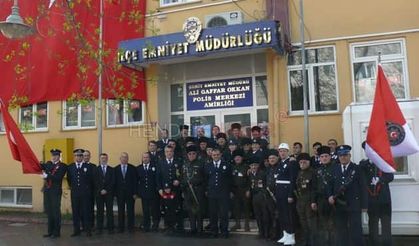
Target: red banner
<point x="60" y="61"/>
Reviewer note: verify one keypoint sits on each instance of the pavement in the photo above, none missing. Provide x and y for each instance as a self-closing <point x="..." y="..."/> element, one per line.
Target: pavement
<point x="27" y="229"/>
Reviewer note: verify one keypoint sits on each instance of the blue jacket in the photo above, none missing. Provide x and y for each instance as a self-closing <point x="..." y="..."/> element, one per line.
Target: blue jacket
<point x="219" y="180"/>
<point x="81" y="181"/>
<point x="147" y="182"/>
<point x="168" y="173"/>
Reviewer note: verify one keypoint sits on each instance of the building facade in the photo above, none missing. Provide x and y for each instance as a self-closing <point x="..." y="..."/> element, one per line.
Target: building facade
<point x="190" y="85"/>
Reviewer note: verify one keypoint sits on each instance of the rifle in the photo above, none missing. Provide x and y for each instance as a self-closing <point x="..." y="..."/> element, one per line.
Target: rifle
<point x="188" y="181"/>
<point x="271" y="194"/>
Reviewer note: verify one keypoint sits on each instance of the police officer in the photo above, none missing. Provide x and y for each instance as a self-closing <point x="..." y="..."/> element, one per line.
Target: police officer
<point x="379" y="202"/>
<point x="271" y="175"/>
<point x="285" y="176"/>
<point x="241" y="185"/>
<point x="349" y="197"/>
<point x="228" y="154"/>
<point x="169" y="170"/>
<point x="304" y="192"/>
<point x="218" y="176"/>
<point x="53" y="173"/>
<point x="193" y="189"/>
<point x="256" y="134"/>
<point x="257" y="152"/>
<point x="81" y="180"/>
<point x="323" y="179"/>
<point x="105" y="182"/>
<point x="260" y="199"/>
<point x="147" y="191"/>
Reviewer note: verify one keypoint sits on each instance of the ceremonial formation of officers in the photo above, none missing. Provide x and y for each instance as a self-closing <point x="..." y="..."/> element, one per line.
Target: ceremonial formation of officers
<point x="295" y="198"/>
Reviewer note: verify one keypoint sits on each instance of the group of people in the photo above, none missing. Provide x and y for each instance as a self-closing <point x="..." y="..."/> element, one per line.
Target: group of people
<point x="294" y="197"/>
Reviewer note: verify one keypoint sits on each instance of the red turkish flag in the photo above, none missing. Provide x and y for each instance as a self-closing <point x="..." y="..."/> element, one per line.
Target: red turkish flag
<point x="60" y="61"/>
<point x="20" y="149"/>
<point x="389" y="134"/>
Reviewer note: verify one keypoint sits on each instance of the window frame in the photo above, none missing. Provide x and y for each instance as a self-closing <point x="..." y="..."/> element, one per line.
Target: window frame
<point x="126" y="123"/>
<point x="34" y="118"/>
<point x="310" y="83"/>
<point x="79" y="120"/>
<point x="15" y="204"/>
<point x="384" y="59"/>
<point x="180" y="2"/>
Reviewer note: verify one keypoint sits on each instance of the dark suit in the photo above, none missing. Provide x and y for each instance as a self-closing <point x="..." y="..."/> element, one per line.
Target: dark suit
<point x="167" y="174"/>
<point x="162" y="143"/>
<point x="105" y="181"/>
<point x="82" y="183"/>
<point x="219" y="188"/>
<point x="125" y="189"/>
<point x="348" y="188"/>
<point x="379" y="203"/>
<point x="92" y="201"/>
<point x="52" y="195"/>
<point x="148" y="192"/>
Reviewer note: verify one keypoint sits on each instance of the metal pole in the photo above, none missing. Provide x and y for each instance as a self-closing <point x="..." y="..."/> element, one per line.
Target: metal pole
<point x="304" y="79"/>
<point x="100" y="64"/>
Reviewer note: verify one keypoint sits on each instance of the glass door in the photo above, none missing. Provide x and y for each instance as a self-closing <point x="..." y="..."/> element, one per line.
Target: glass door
<point x="202" y="122"/>
<point x="244" y="119"/>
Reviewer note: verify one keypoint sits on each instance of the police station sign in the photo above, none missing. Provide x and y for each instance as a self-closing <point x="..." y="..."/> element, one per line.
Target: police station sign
<point x="225" y="93"/>
<point x="197" y="41"/>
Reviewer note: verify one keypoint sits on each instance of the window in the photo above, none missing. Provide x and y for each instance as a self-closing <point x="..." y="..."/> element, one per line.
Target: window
<point x="79" y="115"/>
<point x="364" y="64"/>
<point x="176" y="97"/>
<point x="124" y="112"/>
<point x="15" y="196"/>
<point x="34" y="117"/>
<point x="174" y="2"/>
<point x="321" y="79"/>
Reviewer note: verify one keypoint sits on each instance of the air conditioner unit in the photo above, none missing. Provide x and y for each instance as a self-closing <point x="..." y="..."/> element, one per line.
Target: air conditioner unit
<point x="223" y="19"/>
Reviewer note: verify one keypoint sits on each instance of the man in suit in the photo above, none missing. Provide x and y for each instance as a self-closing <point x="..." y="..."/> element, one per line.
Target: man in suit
<point x="218" y="175"/>
<point x="169" y="170"/>
<point x="81" y="180"/>
<point x="53" y="173"/>
<point x="86" y="160"/>
<point x="350" y="197"/>
<point x="379" y="202"/>
<point x="147" y="191"/>
<point x="164" y="139"/>
<point x="154" y="152"/>
<point x="105" y="182"/>
<point x="125" y="191"/>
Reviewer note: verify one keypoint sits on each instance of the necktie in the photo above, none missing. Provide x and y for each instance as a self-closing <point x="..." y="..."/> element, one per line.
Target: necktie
<point x="344" y="169"/>
<point x="170" y="162"/>
<point x="124" y="170"/>
<point x="146" y="167"/>
<point x="104" y="170"/>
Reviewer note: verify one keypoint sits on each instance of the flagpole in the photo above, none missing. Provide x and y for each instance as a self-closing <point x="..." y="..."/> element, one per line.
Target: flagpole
<point x="304" y="79"/>
<point x="100" y="81"/>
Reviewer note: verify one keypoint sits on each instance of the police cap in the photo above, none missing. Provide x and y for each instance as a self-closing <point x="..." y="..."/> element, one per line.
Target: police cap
<point x="55" y="151"/>
<point x="344" y="149"/>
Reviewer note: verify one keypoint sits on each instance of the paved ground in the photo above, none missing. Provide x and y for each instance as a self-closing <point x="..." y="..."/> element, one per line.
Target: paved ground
<point x="28" y="234"/>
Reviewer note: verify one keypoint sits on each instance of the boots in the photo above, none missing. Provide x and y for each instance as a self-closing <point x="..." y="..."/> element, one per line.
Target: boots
<point x="236" y="226"/>
<point x="283" y="238"/>
<point x="290" y="240"/>
<point x="246" y="226"/>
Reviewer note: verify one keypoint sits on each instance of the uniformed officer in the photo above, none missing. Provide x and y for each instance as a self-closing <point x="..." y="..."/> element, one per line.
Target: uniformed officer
<point x="53" y="173"/>
<point x="169" y="169"/>
<point x="260" y="199"/>
<point x="323" y="179"/>
<point x="193" y="189"/>
<point x="349" y="197"/>
<point x="218" y="176"/>
<point x="92" y="166"/>
<point x="286" y="174"/>
<point x="147" y="191"/>
<point x="304" y="192"/>
<point x="228" y="154"/>
<point x="105" y="183"/>
<point x="257" y="152"/>
<point x="379" y="202"/>
<point x="315" y="159"/>
<point x="271" y="175"/>
<point x="222" y="142"/>
<point x="241" y="185"/>
<point x="256" y="134"/>
<point x="81" y="180"/>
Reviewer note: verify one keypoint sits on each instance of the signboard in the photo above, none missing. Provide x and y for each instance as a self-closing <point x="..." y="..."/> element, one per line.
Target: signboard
<point x="196" y="41"/>
<point x="227" y="93"/>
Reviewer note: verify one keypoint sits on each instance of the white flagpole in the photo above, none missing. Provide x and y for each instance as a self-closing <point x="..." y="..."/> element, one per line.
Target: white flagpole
<point x="100" y="81"/>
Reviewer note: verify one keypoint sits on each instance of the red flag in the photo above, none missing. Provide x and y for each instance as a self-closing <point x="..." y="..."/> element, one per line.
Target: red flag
<point x="20" y="149"/>
<point x="388" y="133"/>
